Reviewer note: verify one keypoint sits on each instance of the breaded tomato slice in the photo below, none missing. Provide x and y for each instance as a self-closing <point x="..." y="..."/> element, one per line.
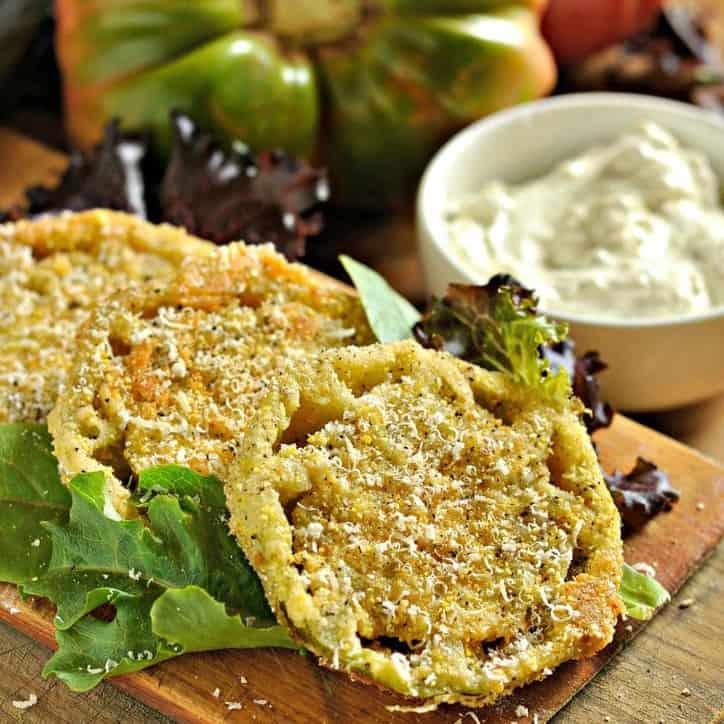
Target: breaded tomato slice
<point x="426" y="524"/>
<point x="172" y="373"/>
<point x="53" y="270"/>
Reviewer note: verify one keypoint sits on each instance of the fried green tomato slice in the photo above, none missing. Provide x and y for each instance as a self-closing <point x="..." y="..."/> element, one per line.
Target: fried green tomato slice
<point x="426" y="524"/>
<point x="171" y="374"/>
<point x="52" y="272"/>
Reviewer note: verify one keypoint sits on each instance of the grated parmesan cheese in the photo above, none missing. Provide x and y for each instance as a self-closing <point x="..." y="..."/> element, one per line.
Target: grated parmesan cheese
<point x="32" y="700"/>
<point x="645" y="568"/>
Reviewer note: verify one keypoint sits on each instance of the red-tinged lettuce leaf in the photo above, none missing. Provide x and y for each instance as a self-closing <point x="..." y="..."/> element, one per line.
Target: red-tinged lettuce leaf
<point x="496" y="326"/>
<point x="225" y="196"/>
<point x="641" y="494"/>
<point x="110" y="178"/>
<point x="583" y="372"/>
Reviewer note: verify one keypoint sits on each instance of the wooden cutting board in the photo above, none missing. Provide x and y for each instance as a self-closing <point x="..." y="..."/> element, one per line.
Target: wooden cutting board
<point x="285" y="686"/>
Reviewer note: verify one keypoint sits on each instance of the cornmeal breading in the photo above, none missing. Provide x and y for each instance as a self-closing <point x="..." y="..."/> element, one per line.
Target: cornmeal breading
<point x="171" y="373"/>
<point x="52" y="271"/>
<point x="427" y="524"/>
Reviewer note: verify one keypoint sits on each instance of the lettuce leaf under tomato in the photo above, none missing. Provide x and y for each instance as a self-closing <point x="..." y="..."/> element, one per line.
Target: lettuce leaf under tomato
<point x="30" y="492"/>
<point x="390" y="316"/>
<point x="128" y="594"/>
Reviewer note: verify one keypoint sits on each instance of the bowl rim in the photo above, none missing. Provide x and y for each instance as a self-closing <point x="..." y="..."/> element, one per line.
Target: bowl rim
<point x="433" y="178"/>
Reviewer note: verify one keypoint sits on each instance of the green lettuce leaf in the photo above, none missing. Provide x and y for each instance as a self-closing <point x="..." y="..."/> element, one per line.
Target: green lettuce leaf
<point x="30" y="492"/>
<point x="181" y="553"/>
<point x="389" y="314"/>
<point x="641" y="594"/>
<point x="191" y="620"/>
<point x="94" y="648"/>
<point x="213" y="559"/>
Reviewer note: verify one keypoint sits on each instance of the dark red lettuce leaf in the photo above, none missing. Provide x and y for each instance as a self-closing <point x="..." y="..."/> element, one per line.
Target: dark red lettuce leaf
<point x="230" y="195"/>
<point x="582" y="372"/>
<point x="641" y="494"/>
<point x="110" y="177"/>
<point x="645" y="491"/>
<point x="216" y="194"/>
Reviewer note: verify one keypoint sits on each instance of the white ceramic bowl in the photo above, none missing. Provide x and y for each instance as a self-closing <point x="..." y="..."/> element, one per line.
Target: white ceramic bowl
<point x="654" y="364"/>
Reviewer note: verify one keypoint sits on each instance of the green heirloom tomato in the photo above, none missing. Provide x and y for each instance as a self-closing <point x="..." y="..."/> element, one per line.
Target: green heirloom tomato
<point x="369" y="88"/>
<point x="249" y="90"/>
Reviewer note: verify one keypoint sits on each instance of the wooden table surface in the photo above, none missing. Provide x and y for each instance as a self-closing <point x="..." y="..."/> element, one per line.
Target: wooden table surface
<point x="673" y="672"/>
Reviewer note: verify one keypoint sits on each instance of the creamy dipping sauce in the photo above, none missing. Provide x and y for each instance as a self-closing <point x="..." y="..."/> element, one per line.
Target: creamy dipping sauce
<point x="633" y="229"/>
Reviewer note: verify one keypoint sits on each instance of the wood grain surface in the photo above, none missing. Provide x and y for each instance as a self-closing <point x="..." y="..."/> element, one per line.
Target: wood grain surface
<point x="674" y="673"/>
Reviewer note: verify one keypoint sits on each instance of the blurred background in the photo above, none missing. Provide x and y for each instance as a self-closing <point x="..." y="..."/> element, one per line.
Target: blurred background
<point x="366" y="91"/>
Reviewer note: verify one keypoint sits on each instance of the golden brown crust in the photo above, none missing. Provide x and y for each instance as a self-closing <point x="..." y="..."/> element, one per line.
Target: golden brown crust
<point x="170" y="373"/>
<point x="86" y="230"/>
<point x="427" y="524"/>
<point x="53" y="270"/>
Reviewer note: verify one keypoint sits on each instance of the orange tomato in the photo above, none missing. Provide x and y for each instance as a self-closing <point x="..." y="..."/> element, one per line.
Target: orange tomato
<point x="576" y="28"/>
